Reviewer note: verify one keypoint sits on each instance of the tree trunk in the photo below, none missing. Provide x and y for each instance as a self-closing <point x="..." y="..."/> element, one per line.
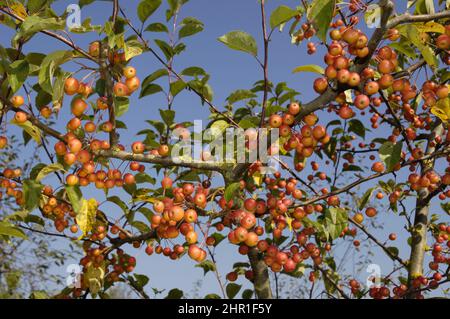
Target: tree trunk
<point x="420" y="227"/>
<point x="261" y="279"/>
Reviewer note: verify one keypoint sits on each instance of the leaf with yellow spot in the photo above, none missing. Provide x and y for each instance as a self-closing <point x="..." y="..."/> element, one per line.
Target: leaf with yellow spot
<point x="94" y="277"/>
<point x="19" y="9"/>
<point x="442" y="109"/>
<point x="86" y="217"/>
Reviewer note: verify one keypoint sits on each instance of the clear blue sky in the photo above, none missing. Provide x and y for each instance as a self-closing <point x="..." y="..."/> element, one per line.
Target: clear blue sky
<point x="230" y="70"/>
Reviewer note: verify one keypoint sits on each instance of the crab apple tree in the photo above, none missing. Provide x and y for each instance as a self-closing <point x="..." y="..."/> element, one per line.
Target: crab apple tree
<point x="370" y="145"/>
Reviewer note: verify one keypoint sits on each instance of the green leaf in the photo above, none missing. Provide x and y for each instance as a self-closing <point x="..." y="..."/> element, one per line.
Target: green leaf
<point x="365" y="198"/>
<point x="336" y="220"/>
<point x="175" y="294"/>
<point x="121" y="105"/>
<point x="48" y="170"/>
<point x="174" y="6"/>
<point x="247" y="123"/>
<point x="190" y="26"/>
<point x="168" y="116"/>
<point x="149" y="89"/>
<point x="17" y="74"/>
<point x="176" y="87"/>
<point x="240" y="95"/>
<point x="218" y="127"/>
<point x="424" y="7"/>
<point x="193" y="71"/>
<point x="39" y="294"/>
<point x="218" y="237"/>
<point x="32" y="191"/>
<point x="34" y="6"/>
<point x="247" y="294"/>
<point x="33" y="24"/>
<point x="31" y="130"/>
<point x="154" y="76"/>
<point x="393" y="250"/>
<point x="232" y="289"/>
<point x="352" y="168"/>
<point x="139" y="280"/>
<point x="309" y="68"/>
<point x="320" y="14"/>
<point x="144" y="178"/>
<point x="281" y="15"/>
<point x="404" y="47"/>
<point x="146" y="8"/>
<point x="427" y="52"/>
<point x="49" y="66"/>
<point x="7" y="229"/>
<point x="141" y="226"/>
<point x="207" y="265"/>
<point x="83" y="3"/>
<point x="212" y="296"/>
<point x="231" y="190"/>
<point x="390" y="154"/>
<point x="116" y="200"/>
<point x="241" y="41"/>
<point x="357" y="127"/>
<point x="166" y="49"/>
<point x="157" y="27"/>
<point x="75" y="197"/>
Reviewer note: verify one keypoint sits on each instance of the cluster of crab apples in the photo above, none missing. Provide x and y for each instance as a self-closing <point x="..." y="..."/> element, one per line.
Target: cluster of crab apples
<point x="306" y="139"/>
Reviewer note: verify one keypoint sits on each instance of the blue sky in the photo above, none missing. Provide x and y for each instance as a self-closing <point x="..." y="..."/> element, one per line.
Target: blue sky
<point x="229" y="70"/>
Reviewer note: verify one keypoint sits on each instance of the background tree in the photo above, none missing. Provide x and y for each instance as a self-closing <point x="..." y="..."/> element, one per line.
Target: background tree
<point x="291" y="223"/>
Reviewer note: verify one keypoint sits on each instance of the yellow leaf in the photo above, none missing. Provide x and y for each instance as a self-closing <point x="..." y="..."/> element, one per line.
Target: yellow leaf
<point x="131" y="51"/>
<point x="289" y="222"/>
<point x="94" y="276"/>
<point x="31" y="129"/>
<point x="87" y="216"/>
<point x="442" y="109"/>
<point x="257" y="178"/>
<point x="19" y="9"/>
<point x="430" y="27"/>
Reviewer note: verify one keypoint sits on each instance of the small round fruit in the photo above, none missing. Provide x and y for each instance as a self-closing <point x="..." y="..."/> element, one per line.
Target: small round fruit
<point x="20" y="117"/>
<point x="17" y="101"/>
<point x="275" y="121"/>
<point x="362" y="101"/>
<point x="78" y="107"/>
<point x="371" y="212"/>
<point x="133" y="84"/>
<point x="138" y="147"/>
<point x="71" y="86"/>
<point x="320" y="85"/>
<point x="120" y="89"/>
<point x="129" y="72"/>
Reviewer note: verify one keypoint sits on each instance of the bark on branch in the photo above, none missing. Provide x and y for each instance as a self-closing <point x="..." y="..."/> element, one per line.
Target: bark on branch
<point x="261" y="280"/>
<point x="164" y="161"/>
<point x="420" y="227"/>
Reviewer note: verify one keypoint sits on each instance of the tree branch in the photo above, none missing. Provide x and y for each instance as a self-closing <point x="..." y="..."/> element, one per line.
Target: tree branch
<point x="53" y="35"/>
<point x="408" y="18"/>
<point x="164" y="161"/>
<point x="376" y="241"/>
<point x="261" y="280"/>
<point x="420" y="227"/>
<point x="265" y="64"/>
